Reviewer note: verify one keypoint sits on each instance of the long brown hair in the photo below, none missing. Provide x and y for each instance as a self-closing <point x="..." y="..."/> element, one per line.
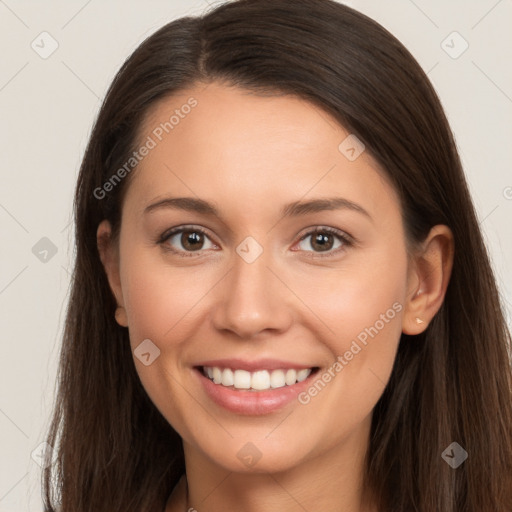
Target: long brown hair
<point x="114" y="451"/>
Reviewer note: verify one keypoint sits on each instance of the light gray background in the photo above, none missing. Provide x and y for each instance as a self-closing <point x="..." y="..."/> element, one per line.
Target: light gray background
<point x="47" y="109"/>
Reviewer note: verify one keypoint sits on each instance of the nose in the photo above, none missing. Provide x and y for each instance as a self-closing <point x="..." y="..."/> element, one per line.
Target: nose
<point x="253" y="298"/>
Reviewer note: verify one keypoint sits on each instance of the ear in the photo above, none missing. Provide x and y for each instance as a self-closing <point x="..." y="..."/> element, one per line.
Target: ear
<point x="428" y="277"/>
<point x="109" y="255"/>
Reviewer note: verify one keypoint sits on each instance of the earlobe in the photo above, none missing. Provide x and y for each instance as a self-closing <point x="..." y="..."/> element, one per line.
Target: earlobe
<point x="414" y="320"/>
<point x="109" y="256"/>
<point x="428" y="280"/>
<point x="120" y="315"/>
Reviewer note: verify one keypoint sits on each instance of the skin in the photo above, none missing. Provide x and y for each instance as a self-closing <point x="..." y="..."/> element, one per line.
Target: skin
<point x="251" y="155"/>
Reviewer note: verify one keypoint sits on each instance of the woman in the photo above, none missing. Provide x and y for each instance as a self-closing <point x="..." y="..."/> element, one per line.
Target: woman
<point x="281" y="297"/>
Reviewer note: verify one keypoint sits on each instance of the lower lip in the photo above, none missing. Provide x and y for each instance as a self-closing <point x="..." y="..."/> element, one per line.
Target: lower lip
<point x="253" y="402"/>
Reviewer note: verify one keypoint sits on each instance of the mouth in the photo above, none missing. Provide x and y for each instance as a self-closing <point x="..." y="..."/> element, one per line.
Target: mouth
<point x="256" y="381"/>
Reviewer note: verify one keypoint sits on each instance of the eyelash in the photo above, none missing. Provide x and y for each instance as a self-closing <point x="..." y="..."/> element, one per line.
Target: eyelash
<point x="347" y="240"/>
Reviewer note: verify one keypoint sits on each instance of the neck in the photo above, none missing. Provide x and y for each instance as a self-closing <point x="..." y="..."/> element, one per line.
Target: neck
<point x="331" y="482"/>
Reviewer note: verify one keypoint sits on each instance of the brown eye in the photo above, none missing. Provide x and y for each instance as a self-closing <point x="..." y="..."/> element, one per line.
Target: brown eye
<point x="324" y="241"/>
<point x="192" y="240"/>
<point x="185" y="240"/>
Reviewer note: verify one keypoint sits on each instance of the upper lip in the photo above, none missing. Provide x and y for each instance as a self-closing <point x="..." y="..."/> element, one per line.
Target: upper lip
<point x="251" y="366"/>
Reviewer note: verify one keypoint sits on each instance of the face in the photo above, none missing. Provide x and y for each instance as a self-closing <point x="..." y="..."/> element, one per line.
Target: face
<point x="260" y="285"/>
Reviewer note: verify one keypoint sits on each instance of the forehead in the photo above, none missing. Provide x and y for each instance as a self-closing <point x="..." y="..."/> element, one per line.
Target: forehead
<point x="281" y="121"/>
<point x="230" y="144"/>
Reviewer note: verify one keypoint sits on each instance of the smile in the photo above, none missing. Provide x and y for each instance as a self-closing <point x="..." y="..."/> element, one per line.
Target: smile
<point x="259" y="380"/>
<point x="252" y="392"/>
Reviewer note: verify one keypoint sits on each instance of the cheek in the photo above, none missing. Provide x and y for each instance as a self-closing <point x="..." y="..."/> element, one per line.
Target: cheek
<point x="159" y="299"/>
<point x="361" y="306"/>
<point x="355" y="295"/>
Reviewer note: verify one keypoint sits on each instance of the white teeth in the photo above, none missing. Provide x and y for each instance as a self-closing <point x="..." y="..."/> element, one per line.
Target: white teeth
<point x="277" y="379"/>
<point x="227" y="377"/>
<point x="290" y="377"/>
<point x="256" y="381"/>
<point x="260" y="380"/>
<point x="242" y="379"/>
<point x="302" y="375"/>
<point x="217" y="375"/>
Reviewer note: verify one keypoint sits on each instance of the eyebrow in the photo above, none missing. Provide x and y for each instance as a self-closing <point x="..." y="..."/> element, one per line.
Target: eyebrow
<point x="295" y="209"/>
